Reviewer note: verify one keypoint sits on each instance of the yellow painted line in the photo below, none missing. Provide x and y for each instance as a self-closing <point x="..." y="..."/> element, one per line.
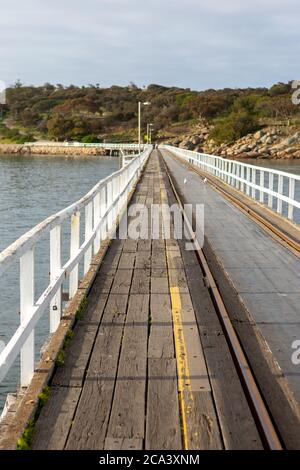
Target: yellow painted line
<point x="184" y="382"/>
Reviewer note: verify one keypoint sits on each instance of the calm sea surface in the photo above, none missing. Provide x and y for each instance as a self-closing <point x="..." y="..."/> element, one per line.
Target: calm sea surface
<point x="31" y="189"/>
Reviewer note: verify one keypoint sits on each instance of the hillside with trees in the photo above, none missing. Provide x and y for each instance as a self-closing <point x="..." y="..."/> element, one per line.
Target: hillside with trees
<point x="92" y="114"/>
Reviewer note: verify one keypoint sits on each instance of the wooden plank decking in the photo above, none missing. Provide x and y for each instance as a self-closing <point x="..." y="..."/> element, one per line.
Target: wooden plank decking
<point x="135" y="374"/>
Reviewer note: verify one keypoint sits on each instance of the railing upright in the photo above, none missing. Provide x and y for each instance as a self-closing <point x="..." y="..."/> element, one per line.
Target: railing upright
<point x="291" y="196"/>
<point x="262" y="185"/>
<point x="280" y="191"/>
<point x="74" y="247"/>
<point x="55" y="268"/>
<point x="26" y="306"/>
<point x="96" y="220"/>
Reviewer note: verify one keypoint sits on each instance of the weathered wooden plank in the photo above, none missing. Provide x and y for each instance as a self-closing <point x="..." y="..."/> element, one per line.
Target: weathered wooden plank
<point x="143" y="260"/>
<point x="162" y="420"/>
<point x="91" y="420"/>
<point x="122" y="281"/>
<point x="93" y="312"/>
<point x="202" y="429"/>
<point x="144" y="245"/>
<point x="159" y="285"/>
<point x="128" y="408"/>
<point x="55" y="421"/>
<point x="174" y="259"/>
<point x="140" y="281"/>
<point x="161" y="343"/>
<point x="127" y="260"/>
<point x="71" y="373"/>
<point x="177" y="278"/>
<point x="159" y="272"/>
<point x="158" y="259"/>
<point x="130" y="246"/>
<point x="104" y="282"/>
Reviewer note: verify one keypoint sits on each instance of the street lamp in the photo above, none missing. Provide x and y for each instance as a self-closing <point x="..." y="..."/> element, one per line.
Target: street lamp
<point x="149" y="127"/>
<point x="146" y="103"/>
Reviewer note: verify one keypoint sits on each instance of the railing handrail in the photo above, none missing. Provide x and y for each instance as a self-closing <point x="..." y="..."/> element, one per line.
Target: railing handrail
<point x="81" y="144"/>
<point x="243" y="177"/>
<point x="103" y="204"/>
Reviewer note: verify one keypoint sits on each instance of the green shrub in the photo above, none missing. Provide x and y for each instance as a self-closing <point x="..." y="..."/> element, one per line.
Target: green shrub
<point x="90" y="139"/>
<point x="25" y="441"/>
<point x="235" y="126"/>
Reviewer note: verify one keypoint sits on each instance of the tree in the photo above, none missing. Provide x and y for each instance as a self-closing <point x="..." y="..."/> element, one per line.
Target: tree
<point x="60" y="127"/>
<point x="236" y="125"/>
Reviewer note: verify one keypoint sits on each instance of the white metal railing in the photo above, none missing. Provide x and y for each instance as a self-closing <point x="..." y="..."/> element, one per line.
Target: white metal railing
<point x="102" y="206"/>
<point x="108" y="146"/>
<point x="266" y="185"/>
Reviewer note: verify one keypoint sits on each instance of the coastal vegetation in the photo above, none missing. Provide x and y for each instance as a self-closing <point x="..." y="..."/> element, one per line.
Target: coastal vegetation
<point x="92" y="114"/>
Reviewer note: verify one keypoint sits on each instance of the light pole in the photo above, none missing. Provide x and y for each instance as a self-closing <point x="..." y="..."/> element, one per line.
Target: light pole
<point x="146" y="103"/>
<point x="151" y="129"/>
<point x="149" y="125"/>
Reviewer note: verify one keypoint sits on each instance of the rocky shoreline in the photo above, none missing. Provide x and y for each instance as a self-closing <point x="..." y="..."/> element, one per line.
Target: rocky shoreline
<point x="20" y="149"/>
<point x="270" y="142"/>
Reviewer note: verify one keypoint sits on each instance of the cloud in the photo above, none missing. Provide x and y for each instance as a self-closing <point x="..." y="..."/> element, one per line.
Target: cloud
<point x="195" y="43"/>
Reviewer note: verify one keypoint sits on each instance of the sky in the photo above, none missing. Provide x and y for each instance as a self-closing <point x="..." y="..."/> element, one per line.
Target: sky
<point x="197" y="44"/>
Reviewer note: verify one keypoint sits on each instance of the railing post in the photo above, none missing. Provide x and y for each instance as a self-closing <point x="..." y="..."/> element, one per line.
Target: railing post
<point x="271" y="188"/>
<point x="231" y="173"/>
<point x="96" y="206"/>
<point x="109" y="205"/>
<point x="55" y="267"/>
<point x="253" y="182"/>
<point x="75" y="243"/>
<point x="291" y="196"/>
<point x="237" y="174"/>
<point x="26" y="305"/>
<point x="280" y="191"/>
<point x="248" y="180"/>
<point x="262" y="185"/>
<point x="114" y="197"/>
<point x="88" y="229"/>
<point x="228" y="171"/>
<point x="103" y="207"/>
<point x="242" y="186"/>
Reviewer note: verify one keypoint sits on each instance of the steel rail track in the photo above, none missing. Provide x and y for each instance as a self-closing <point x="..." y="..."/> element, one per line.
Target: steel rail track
<point x="263" y="420"/>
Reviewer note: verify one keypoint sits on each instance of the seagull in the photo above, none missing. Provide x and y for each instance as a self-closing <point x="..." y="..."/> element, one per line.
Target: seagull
<point x="205" y="180"/>
<point x="185" y="181"/>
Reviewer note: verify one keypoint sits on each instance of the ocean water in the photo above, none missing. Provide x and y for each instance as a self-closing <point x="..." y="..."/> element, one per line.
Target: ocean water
<point x="31" y="189"/>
